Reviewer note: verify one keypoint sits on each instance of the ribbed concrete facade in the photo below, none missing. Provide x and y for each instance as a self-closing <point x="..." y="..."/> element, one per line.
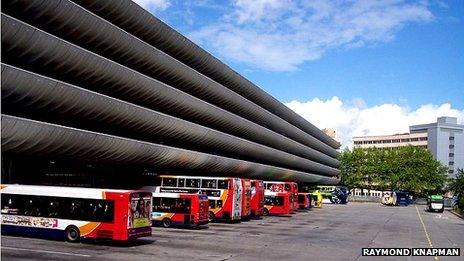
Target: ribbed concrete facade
<point x="107" y="82"/>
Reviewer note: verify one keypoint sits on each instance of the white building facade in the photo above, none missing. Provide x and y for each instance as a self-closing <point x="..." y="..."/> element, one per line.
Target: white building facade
<point x="445" y="141"/>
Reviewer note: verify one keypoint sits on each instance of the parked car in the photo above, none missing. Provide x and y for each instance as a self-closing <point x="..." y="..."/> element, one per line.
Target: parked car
<point x="401" y="198"/>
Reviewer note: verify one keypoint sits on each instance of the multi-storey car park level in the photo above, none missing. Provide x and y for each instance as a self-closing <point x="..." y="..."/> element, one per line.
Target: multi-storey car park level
<point x="104" y="89"/>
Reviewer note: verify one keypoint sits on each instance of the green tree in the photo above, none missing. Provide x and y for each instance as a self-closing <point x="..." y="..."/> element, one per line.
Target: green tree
<point x="457" y="186"/>
<point x="350" y="168"/>
<point x="406" y="168"/>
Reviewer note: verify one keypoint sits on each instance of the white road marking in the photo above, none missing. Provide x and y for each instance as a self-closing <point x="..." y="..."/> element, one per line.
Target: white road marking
<point x="425" y="231"/>
<point x="45" y="251"/>
<point x="441" y="216"/>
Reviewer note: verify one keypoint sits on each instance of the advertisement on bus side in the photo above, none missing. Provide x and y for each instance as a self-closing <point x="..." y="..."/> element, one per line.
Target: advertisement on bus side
<point x="140" y="210"/>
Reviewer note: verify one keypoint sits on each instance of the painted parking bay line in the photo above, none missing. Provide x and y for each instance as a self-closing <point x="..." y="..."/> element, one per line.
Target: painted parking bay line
<point x="44" y="251"/>
<point x="425" y="230"/>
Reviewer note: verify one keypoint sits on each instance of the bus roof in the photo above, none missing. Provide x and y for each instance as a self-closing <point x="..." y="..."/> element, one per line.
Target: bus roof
<point x="276" y="182"/>
<point x="57" y="191"/>
<point x="436" y="197"/>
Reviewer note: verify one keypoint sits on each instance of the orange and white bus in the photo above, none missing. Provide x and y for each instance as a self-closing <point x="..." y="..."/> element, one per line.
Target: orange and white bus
<point x="246" y="199"/>
<point x="224" y="193"/>
<point x="284" y="186"/>
<point x="189" y="210"/>
<point x="277" y="203"/>
<point x="304" y="200"/>
<point x="257" y="198"/>
<point x="74" y="213"/>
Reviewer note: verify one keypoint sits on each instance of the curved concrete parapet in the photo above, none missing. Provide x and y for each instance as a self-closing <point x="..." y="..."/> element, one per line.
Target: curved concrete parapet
<point x="31" y="137"/>
<point x="36" y="96"/>
<point x="91" y="32"/>
<point x="137" y="21"/>
<point x="29" y="47"/>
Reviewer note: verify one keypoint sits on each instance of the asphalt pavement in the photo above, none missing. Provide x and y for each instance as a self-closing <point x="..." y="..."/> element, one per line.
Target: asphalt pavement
<point x="335" y="232"/>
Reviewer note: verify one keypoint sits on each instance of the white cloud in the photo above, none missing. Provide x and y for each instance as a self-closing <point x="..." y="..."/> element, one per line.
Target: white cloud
<point x="354" y="118"/>
<point x="154" y="4"/>
<point x="280" y="35"/>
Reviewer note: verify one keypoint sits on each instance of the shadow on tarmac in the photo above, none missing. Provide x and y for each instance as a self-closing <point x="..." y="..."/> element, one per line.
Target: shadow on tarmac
<point x="122" y="244"/>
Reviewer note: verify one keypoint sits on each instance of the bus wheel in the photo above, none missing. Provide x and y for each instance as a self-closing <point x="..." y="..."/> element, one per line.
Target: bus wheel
<point x="265" y="212"/>
<point x="166" y="222"/>
<point x="212" y="216"/>
<point x="72" y="234"/>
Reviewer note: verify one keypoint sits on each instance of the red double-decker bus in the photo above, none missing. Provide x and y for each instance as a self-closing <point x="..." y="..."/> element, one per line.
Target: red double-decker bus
<point x="177" y="209"/>
<point x="257" y="198"/>
<point x="284" y="186"/>
<point x="304" y="200"/>
<point x="277" y="203"/>
<point x="246" y="199"/>
<point x="224" y="193"/>
<point x="73" y="213"/>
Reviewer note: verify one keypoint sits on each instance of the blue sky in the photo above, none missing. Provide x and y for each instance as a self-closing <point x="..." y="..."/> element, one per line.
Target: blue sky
<point x="404" y="58"/>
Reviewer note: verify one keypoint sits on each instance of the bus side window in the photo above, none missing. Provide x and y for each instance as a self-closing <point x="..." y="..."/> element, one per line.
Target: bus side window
<point x="212" y="203"/>
<point x="170" y="182"/>
<point x="182" y="205"/>
<point x="169" y="204"/>
<point x="193" y="183"/>
<point x="267" y="200"/>
<point x="156" y="204"/>
<point x="223" y="184"/>
<point x="181" y="183"/>
<point x="106" y="211"/>
<point x="208" y="183"/>
<point x="89" y="209"/>
<point x="75" y="209"/>
<point x="33" y="206"/>
<point x="53" y="208"/>
<point x="11" y="204"/>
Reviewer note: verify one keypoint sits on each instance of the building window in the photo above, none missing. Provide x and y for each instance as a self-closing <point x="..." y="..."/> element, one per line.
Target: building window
<point x="450" y="171"/>
<point x="415" y="139"/>
<point x="451" y="138"/>
<point x="451" y="155"/>
<point x="423" y="138"/>
<point x="405" y="140"/>
<point x="451" y="163"/>
<point x="451" y="146"/>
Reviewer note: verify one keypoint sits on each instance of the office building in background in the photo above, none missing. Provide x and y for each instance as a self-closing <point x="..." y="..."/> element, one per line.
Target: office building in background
<point x="444" y="139"/>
